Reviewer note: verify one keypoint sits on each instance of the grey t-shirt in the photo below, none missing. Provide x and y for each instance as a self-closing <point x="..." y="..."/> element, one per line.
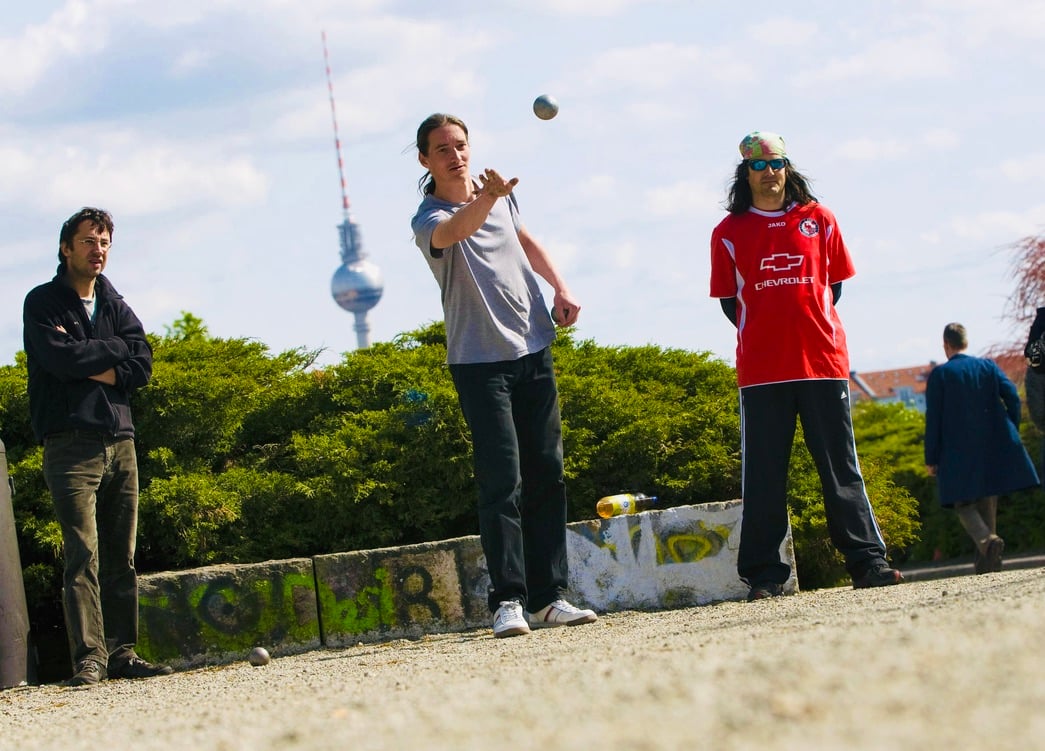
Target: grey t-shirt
<point x="492" y="302"/>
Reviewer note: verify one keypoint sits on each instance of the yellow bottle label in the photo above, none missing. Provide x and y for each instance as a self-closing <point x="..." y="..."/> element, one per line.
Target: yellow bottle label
<point x="616" y="505"/>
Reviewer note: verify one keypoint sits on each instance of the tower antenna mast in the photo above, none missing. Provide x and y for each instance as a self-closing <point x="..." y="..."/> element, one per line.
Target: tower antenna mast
<point x="337" y="138"/>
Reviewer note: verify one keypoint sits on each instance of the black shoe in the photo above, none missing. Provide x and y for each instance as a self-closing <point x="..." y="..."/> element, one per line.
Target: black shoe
<point x="879" y="575"/>
<point x="136" y="667"/>
<point x="979" y="562"/>
<point x="764" y="591"/>
<point x="88" y="673"/>
<point x="992" y="558"/>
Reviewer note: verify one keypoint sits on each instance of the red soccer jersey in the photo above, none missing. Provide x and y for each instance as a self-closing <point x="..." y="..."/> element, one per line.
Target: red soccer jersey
<point x="780" y="266"/>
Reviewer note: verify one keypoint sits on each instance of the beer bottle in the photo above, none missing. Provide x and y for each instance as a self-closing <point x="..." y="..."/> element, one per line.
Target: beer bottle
<point x="624" y="503"/>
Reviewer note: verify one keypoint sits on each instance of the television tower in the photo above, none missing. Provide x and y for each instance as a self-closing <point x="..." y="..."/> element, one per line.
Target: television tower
<point x="357" y="284"/>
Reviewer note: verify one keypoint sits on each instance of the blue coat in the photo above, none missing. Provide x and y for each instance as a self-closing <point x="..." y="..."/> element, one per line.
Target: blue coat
<point x="972" y="414"/>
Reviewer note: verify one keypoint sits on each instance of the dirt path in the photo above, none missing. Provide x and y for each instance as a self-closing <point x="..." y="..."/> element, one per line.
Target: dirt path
<point x="945" y="664"/>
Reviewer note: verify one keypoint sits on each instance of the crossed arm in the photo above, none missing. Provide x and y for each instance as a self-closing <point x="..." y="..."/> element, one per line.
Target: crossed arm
<point x="106" y="376"/>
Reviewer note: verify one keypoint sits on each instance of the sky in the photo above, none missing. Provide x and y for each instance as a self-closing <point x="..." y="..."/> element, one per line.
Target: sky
<point x="205" y="127"/>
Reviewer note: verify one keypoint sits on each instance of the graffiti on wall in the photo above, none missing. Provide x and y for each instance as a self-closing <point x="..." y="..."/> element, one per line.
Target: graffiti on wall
<point x="226" y="609"/>
<point x="675" y="558"/>
<point x="399" y="592"/>
<point x="684" y="545"/>
<point x="649" y="560"/>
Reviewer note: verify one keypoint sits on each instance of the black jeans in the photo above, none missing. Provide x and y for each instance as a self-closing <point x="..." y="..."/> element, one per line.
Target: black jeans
<point x="512" y="410"/>
<point x="93" y="480"/>
<point x="768" y="418"/>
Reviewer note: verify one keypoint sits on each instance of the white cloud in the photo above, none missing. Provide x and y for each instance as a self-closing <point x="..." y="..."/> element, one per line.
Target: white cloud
<point x="190" y="61"/>
<point x="1000" y="227"/>
<point x="941" y="139"/>
<point x="665" y="66"/>
<point x="885" y="61"/>
<point x="139" y="174"/>
<point x="654" y="66"/>
<point x="566" y="254"/>
<point x="1030" y="167"/>
<point x="869" y="149"/>
<point x="388" y="85"/>
<point x="18" y="165"/>
<point x="624" y="255"/>
<point x="598" y="187"/>
<point x="166" y="16"/>
<point x="682" y="199"/>
<point x="984" y="21"/>
<point x="872" y="149"/>
<point x="783" y="32"/>
<point x="584" y="7"/>
<point x="930" y="237"/>
<point x="70" y="32"/>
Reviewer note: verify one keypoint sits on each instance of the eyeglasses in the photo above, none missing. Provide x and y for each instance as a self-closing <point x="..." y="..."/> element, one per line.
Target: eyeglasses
<point x="94" y="242"/>
<point x="760" y="164"/>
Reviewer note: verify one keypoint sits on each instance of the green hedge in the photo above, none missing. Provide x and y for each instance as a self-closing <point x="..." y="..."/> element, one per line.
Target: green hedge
<point x="246" y="455"/>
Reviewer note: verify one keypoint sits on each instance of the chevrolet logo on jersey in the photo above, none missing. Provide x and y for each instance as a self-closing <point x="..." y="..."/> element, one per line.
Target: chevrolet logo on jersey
<point x="782" y="281"/>
<point x="781" y="262"/>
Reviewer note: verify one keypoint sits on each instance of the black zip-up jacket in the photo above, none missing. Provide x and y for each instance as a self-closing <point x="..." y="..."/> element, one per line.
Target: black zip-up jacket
<point x="62" y="396"/>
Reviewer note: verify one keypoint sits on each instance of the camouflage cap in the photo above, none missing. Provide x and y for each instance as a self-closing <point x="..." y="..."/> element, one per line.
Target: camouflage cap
<point x="762" y="145"/>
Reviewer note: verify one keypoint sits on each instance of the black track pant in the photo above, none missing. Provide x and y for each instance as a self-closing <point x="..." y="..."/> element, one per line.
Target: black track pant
<point x="512" y="409"/>
<point x="768" y="416"/>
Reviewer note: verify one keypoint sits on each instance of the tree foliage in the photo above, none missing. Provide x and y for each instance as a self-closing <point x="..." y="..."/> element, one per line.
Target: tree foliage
<point x="1027" y="268"/>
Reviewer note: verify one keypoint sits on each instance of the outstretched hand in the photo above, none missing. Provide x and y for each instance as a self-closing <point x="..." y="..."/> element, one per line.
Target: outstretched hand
<point x="495" y="186"/>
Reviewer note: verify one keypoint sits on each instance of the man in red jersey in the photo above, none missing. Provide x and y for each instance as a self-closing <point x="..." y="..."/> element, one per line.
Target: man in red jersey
<point x="777" y="266"/>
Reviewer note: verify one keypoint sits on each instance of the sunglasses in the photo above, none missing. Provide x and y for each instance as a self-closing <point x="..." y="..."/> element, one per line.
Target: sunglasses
<point x="760" y="164"/>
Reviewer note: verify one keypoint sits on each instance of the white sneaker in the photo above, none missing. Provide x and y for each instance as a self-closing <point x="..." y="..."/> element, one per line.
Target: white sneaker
<point x="509" y="620"/>
<point x="561" y="613"/>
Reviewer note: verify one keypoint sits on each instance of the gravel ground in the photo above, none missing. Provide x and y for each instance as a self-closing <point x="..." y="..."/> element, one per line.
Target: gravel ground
<point x="944" y="664"/>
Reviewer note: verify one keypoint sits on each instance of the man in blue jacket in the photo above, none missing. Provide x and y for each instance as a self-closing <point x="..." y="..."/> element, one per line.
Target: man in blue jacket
<point x="86" y="352"/>
<point x="972" y="443"/>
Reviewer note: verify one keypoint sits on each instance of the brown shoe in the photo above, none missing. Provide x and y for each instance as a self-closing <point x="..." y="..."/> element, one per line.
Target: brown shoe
<point x="88" y="673"/>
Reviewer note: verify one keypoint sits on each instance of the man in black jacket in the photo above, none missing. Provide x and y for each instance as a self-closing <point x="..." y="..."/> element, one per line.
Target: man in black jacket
<point x="86" y="352"/>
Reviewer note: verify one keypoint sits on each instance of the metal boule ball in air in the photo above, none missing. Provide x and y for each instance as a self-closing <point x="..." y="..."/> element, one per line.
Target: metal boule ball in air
<point x="545" y="107"/>
<point x="258" y="656"/>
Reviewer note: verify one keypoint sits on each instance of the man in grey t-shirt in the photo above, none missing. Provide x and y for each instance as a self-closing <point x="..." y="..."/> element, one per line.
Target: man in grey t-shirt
<point x="498" y="334"/>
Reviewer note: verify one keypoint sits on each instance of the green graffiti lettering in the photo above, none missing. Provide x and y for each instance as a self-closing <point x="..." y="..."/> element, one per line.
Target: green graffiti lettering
<point x="372" y="607"/>
<point x="233" y="618"/>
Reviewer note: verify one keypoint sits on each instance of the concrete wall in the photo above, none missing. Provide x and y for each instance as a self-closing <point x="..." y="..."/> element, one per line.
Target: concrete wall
<point x="675" y="558"/>
<point x="218" y="613"/>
